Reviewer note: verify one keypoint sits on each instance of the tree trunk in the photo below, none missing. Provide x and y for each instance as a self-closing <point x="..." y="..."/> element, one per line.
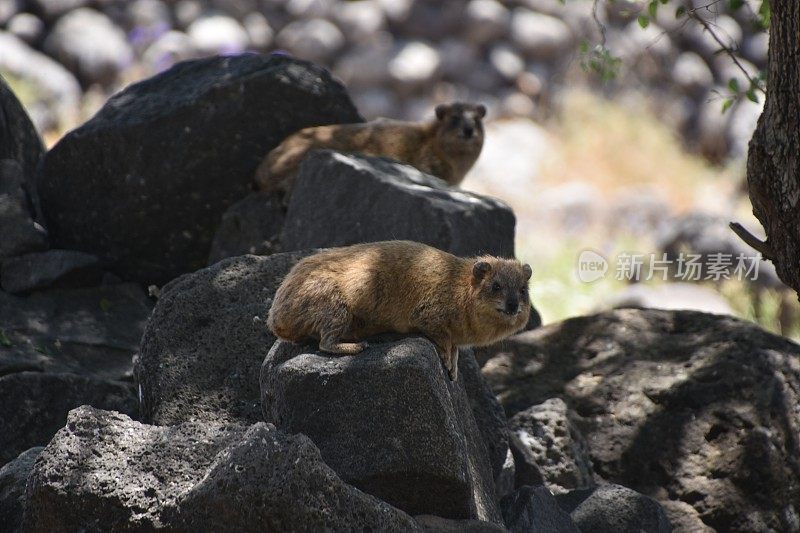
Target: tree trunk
<point x="773" y="163"/>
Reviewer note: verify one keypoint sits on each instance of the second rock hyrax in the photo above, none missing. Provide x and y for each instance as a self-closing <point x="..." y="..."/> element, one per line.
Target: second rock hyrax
<point x="343" y="295"/>
<point x="445" y="147"/>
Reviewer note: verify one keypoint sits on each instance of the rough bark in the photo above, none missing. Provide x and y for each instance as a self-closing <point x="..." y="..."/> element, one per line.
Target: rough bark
<point x="773" y="165"/>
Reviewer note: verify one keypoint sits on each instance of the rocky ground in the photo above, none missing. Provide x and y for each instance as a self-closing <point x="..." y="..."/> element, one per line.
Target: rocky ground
<point x="399" y="57"/>
<point x="141" y="389"/>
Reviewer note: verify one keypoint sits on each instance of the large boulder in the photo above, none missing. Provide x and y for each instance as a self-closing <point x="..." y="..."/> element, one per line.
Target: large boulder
<point x="341" y="199"/>
<point x="52" y="268"/>
<point x="34" y="405"/>
<point x="206" y="339"/>
<point x="677" y="405"/>
<point x="559" y="450"/>
<point x="19" y="140"/>
<point x="60" y="349"/>
<point x="198" y="132"/>
<point x="614" y="508"/>
<point x="13" y="478"/>
<point x="535" y="510"/>
<point x="388" y="421"/>
<point x="250" y="226"/>
<point x="268" y="480"/>
<point x="105" y="472"/>
<point x="90" y="331"/>
<point x="20" y="233"/>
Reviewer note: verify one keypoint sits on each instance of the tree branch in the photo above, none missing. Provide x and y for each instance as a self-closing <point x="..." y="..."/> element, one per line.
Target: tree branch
<point x="763" y="247"/>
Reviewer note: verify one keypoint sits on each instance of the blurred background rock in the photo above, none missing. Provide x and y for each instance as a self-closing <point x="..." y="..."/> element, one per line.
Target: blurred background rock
<point x="586" y="162"/>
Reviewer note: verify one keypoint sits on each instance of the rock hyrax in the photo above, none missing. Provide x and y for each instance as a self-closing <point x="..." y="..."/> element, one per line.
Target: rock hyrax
<point x="445" y="147"/>
<point x="343" y="295"/>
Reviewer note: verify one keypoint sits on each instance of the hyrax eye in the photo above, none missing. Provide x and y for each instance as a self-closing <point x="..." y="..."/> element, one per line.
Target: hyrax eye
<point x="495" y="287"/>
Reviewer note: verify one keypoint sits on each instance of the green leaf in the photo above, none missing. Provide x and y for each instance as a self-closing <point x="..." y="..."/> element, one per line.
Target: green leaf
<point x="652" y="8"/>
<point x="680" y="12"/>
<point x="584" y="47"/>
<point x="735" y="4"/>
<point x="644" y="21"/>
<point x="765" y="13"/>
<point x="664" y="2"/>
<point x="727" y="104"/>
<point x="105" y="305"/>
<point x="733" y="85"/>
<point x="5" y="342"/>
<point x="752" y="96"/>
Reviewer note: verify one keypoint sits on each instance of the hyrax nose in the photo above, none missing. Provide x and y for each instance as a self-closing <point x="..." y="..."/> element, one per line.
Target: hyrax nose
<point x="468" y="131"/>
<point x="512" y="306"/>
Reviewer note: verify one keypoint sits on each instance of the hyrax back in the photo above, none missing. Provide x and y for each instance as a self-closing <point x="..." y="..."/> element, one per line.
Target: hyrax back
<point x="446" y="146"/>
<point x="343" y="295"/>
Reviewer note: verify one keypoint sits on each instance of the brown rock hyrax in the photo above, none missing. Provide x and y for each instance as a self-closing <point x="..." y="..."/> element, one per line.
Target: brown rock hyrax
<point x="445" y="147"/>
<point x="343" y="295"/>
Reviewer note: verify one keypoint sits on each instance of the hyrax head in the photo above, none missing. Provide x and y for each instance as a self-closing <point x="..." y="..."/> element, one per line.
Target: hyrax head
<point x="460" y="124"/>
<point x="502" y="289"/>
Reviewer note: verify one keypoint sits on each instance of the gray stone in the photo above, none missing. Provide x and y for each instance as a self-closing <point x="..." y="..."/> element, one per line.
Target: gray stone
<point x="614" y="508"/>
<point x="488" y="413"/>
<point x="414" y="64"/>
<point x="540" y="37"/>
<point x="534" y="510"/>
<point x="360" y="20"/>
<point x="487" y="20"/>
<point x="250" y="226"/>
<point x="13" y="478"/>
<point x="90" y="45"/>
<point x="684" y="517"/>
<point x="388" y="421"/>
<point x="258" y="30"/>
<point x="53" y="268"/>
<point x="314" y="39"/>
<point x="267" y="480"/>
<point x="20" y="233"/>
<point x="206" y="340"/>
<point x="34" y="405"/>
<point x="366" y="66"/>
<point x="526" y="469"/>
<point x="52" y="9"/>
<point x="692" y="74"/>
<point x="27" y="27"/>
<point x="218" y="34"/>
<point x="57" y="93"/>
<point x="559" y="449"/>
<point x="167" y="50"/>
<point x="19" y="140"/>
<point x="91" y="332"/>
<point x="374" y="199"/>
<point x="152" y="217"/>
<point x="677" y="405"/>
<point x="105" y="472"/>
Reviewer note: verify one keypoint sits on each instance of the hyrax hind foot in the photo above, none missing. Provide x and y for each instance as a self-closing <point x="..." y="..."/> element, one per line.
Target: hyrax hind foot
<point x="342" y="347"/>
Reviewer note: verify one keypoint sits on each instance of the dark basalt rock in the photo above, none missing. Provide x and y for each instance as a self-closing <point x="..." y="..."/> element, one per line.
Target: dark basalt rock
<point x="144" y="183"/>
<point x="388" y="421"/>
<point x="341" y="199"/>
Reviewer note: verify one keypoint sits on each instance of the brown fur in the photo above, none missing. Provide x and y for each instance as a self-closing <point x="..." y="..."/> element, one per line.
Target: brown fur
<point x="439" y="146"/>
<point x="343" y="295"/>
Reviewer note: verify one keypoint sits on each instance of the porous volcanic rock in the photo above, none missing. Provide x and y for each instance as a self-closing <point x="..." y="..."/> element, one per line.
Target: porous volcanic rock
<point x="144" y="183"/>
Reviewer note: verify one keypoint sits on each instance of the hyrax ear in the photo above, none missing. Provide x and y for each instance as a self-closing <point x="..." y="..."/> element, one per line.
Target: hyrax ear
<point x="480" y="269"/>
<point x="481" y="109"/>
<point x="528" y="271"/>
<point x="441" y="111"/>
